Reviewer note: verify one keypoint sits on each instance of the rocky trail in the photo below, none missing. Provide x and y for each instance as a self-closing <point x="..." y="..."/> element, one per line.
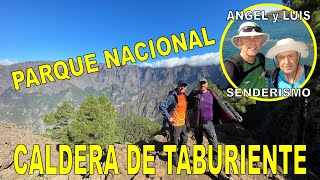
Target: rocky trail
<point x="11" y="136"/>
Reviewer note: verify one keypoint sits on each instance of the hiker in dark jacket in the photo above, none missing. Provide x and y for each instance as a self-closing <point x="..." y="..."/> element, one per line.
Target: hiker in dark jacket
<point x="174" y="111"/>
<point x="247" y="69"/>
<point x="207" y="109"/>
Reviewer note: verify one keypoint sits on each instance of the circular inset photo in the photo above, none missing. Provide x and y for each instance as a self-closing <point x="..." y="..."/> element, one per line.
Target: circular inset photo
<point x="269" y="57"/>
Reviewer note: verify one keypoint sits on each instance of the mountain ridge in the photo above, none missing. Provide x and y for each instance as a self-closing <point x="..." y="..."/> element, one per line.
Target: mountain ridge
<point x="131" y="89"/>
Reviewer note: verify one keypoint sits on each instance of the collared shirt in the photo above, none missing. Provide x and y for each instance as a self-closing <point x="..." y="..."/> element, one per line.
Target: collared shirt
<point x="206" y="102"/>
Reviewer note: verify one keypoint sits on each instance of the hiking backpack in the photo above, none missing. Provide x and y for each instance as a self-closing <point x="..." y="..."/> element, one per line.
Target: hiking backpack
<point x="238" y="64"/>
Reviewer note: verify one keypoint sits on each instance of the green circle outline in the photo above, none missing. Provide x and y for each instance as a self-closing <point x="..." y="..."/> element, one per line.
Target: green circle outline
<point x="314" y="50"/>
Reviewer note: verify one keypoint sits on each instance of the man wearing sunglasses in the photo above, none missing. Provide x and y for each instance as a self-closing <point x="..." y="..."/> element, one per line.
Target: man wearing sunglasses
<point x="174" y="111"/>
<point x="247" y="70"/>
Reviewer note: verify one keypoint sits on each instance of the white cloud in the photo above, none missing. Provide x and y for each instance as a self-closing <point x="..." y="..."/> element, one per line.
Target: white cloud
<point x="7" y="61"/>
<point x="198" y="60"/>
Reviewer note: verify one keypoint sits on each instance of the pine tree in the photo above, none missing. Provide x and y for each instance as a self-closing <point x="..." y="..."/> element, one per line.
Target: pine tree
<point x="138" y="128"/>
<point x="59" y="119"/>
<point x="90" y="109"/>
<point x="64" y="112"/>
<point x="95" y="122"/>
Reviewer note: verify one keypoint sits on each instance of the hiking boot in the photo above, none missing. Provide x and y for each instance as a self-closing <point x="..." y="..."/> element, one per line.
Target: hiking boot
<point x="223" y="176"/>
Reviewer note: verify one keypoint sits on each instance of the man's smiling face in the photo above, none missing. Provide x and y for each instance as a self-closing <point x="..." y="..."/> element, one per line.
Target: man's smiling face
<point x="250" y="45"/>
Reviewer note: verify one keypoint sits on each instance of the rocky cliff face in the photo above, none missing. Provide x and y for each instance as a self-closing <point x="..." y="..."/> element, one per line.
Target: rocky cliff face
<point x="130" y="89"/>
<point x="135" y="89"/>
<point x="128" y="78"/>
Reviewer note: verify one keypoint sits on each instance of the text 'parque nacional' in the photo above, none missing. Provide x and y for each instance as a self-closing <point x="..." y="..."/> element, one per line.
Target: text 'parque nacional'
<point x="65" y="70"/>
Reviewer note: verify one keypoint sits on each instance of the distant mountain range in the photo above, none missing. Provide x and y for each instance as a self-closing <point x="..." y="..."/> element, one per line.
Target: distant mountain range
<point x="281" y="14"/>
<point x="131" y="89"/>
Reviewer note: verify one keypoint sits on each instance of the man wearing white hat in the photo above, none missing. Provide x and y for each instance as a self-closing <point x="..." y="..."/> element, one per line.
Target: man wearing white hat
<point x="247" y="70"/>
<point x="290" y="74"/>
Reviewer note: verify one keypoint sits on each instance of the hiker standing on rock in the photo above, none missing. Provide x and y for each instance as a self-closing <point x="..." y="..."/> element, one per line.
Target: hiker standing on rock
<point x="206" y="108"/>
<point x="174" y="110"/>
<point x="247" y="69"/>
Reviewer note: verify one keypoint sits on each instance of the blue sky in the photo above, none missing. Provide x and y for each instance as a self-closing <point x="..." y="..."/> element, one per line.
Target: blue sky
<point x="58" y="30"/>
